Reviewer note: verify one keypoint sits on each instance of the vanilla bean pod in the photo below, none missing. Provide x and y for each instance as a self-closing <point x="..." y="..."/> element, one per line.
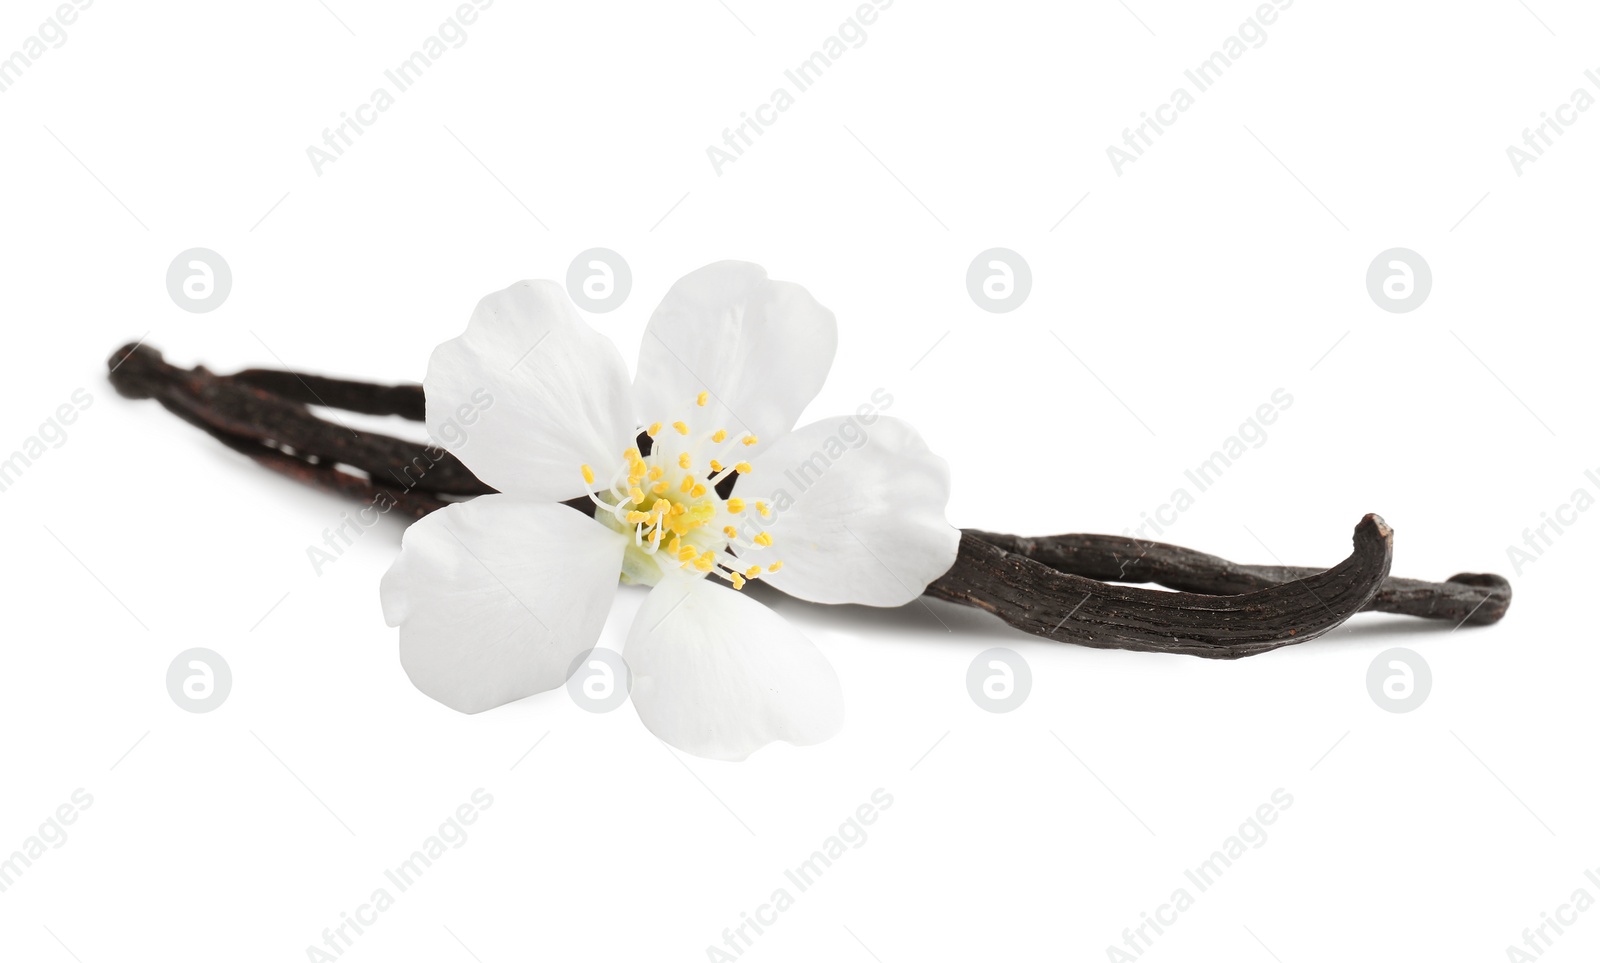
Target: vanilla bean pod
<point x="1057" y="587"/>
<point x="325" y="476"/>
<point x="330" y="478"/>
<point x="235" y="407"/>
<point x="369" y="399"/>
<point x="1038" y="599"/>
<point x="1466" y="598"/>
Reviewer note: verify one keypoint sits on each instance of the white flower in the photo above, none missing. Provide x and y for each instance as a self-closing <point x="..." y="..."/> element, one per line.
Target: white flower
<point x="496" y="597"/>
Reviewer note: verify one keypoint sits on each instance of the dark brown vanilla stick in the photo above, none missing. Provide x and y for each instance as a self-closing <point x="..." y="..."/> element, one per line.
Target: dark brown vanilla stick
<point x="324" y="475"/>
<point x="1465" y="598"/>
<point x="1055" y="605"/>
<point x="369" y="399"/>
<point x="1052" y="586"/>
<point x="235" y="407"/>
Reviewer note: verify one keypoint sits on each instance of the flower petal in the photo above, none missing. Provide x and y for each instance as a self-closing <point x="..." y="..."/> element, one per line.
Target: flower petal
<point x="496" y="597"/>
<point x="860" y="512"/>
<point x="719" y="675"/>
<point x="759" y="348"/>
<point x="530" y="393"/>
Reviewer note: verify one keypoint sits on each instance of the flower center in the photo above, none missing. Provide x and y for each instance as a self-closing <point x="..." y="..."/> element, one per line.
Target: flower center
<point x="670" y="503"/>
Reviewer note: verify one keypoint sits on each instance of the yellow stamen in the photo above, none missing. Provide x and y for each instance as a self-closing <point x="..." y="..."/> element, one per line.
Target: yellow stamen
<point x="682" y="428"/>
<point x="753" y="572"/>
<point x="656" y="471"/>
<point x="588" y="475"/>
<point x="697" y="491"/>
<point x="750" y="440"/>
<point x="774" y="566"/>
<point x="631" y="455"/>
<point x="706" y="562"/>
<point x="686" y="553"/>
<point x="659" y="488"/>
<point x="683" y="460"/>
<point x="655" y="429"/>
<point x="701" y="401"/>
<point x="730" y="531"/>
<point x="738" y="581"/>
<point x="762" y="508"/>
<point x="764" y="539"/>
<point x="688" y="483"/>
<point x="721" y="436"/>
<point x="742" y="468"/>
<point x="735" y="505"/>
<point x="636" y="495"/>
<point x="716" y="466"/>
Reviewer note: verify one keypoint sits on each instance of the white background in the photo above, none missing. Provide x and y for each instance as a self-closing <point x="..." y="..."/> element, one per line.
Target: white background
<point x="1226" y="263"/>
